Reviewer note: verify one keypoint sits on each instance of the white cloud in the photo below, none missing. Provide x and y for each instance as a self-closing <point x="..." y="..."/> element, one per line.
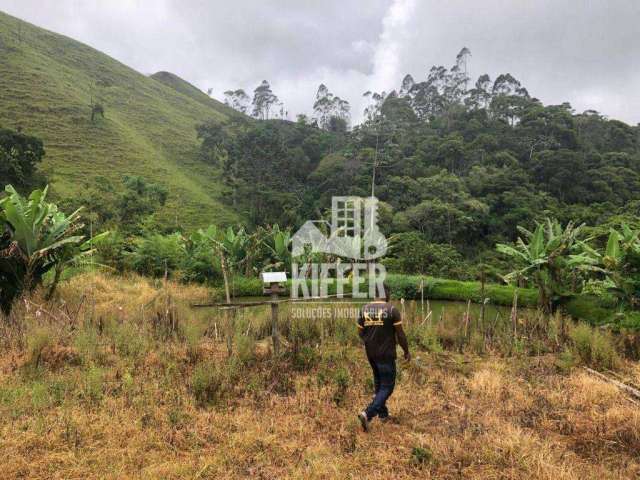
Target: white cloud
<point x="587" y="54"/>
<point x="392" y="45"/>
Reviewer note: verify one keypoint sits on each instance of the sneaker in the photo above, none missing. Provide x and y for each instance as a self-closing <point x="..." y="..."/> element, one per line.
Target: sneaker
<point x="364" y="420"/>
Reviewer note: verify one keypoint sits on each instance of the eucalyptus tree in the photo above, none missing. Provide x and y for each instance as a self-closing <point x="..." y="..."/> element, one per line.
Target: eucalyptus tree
<point x="462" y="60"/>
<point x="407" y="85"/>
<point x="263" y="101"/>
<point x="328" y="108"/>
<point x="509" y="98"/>
<point x="237" y="99"/>
<point x="374" y="107"/>
<point x="480" y="96"/>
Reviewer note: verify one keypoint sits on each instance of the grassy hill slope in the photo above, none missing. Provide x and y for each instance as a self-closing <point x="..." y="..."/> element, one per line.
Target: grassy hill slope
<point x="47" y="83"/>
<point x="184" y="87"/>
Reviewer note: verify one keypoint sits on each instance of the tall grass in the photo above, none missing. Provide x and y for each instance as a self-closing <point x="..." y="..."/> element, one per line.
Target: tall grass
<point x="100" y="378"/>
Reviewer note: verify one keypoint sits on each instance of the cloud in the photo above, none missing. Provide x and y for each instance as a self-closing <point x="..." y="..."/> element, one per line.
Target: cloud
<point x="586" y="53"/>
<point x="392" y="44"/>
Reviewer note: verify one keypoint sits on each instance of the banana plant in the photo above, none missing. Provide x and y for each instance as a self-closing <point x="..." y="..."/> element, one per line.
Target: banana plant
<point x="277" y="242"/>
<point x="229" y="246"/>
<point x="621" y="261"/>
<point x="552" y="257"/>
<point x="37" y="238"/>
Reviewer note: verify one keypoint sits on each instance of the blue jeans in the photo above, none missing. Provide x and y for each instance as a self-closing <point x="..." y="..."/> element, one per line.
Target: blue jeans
<point x="384" y="380"/>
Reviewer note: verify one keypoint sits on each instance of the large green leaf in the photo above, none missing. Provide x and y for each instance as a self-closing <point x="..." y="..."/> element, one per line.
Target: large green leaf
<point x="45" y="238"/>
<point x="612" y="251"/>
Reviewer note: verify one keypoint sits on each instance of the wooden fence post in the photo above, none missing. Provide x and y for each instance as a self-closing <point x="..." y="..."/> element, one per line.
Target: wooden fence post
<point x="274" y="324"/>
<point x="514" y="314"/>
<point x="422" y="298"/>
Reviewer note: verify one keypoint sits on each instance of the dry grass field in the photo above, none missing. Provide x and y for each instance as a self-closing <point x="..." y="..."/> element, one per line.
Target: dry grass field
<point x="123" y="380"/>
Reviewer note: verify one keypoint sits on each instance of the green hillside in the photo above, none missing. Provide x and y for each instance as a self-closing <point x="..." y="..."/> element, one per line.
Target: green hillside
<point x="190" y="90"/>
<point x="47" y="84"/>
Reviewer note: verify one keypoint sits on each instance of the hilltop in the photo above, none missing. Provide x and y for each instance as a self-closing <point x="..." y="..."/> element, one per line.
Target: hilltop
<point x="47" y="86"/>
<point x="182" y="86"/>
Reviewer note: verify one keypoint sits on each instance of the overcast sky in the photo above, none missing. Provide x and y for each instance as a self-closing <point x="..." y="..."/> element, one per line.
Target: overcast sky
<point x="584" y="52"/>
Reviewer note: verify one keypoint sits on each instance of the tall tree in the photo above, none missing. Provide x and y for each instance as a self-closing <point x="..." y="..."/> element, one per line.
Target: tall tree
<point x="480" y="95"/>
<point x="237" y="99"/>
<point x="263" y="100"/>
<point x="330" y="110"/>
<point x="372" y="110"/>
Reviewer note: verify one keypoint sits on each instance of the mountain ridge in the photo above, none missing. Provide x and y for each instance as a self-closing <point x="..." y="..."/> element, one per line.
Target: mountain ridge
<point x="47" y="87"/>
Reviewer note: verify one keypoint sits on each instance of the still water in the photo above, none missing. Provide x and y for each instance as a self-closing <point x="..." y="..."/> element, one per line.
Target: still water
<point x="412" y="310"/>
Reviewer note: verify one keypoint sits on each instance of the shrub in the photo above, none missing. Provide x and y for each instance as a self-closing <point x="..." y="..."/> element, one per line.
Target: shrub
<point x="425" y="337"/>
<point x="111" y="250"/>
<point x="589" y="308"/>
<point x="87" y="343"/>
<point x="411" y="253"/>
<point x="40" y="339"/>
<point x="245" y="348"/>
<point x="156" y="254"/>
<point x="566" y="361"/>
<point x="246" y="287"/>
<point x="192" y="333"/>
<point x="305" y="358"/>
<point x="207" y="383"/>
<point x="128" y="339"/>
<point x="200" y="263"/>
<point x="593" y="347"/>
<point x="421" y="456"/>
<point x="404" y="286"/>
<point x="92" y="385"/>
<point x="341" y="379"/>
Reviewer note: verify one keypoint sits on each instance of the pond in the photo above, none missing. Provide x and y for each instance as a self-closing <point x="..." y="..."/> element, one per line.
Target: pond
<point x="412" y="310"/>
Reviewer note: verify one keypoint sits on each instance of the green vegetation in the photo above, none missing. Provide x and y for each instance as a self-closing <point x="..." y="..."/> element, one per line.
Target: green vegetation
<point x="231" y="258"/>
<point x="408" y="288"/>
<point x="49" y="87"/>
<point x="593" y="347"/>
<point x="37" y="238"/>
<point x="621" y="259"/>
<point x="456" y="168"/>
<point x="553" y="260"/>
<point x="19" y="157"/>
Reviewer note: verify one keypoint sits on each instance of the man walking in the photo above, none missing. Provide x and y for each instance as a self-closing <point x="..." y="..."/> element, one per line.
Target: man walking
<point x="380" y="328"/>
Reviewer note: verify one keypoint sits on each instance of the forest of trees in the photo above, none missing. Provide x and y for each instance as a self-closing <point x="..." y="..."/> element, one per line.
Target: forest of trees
<point x="458" y="164"/>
